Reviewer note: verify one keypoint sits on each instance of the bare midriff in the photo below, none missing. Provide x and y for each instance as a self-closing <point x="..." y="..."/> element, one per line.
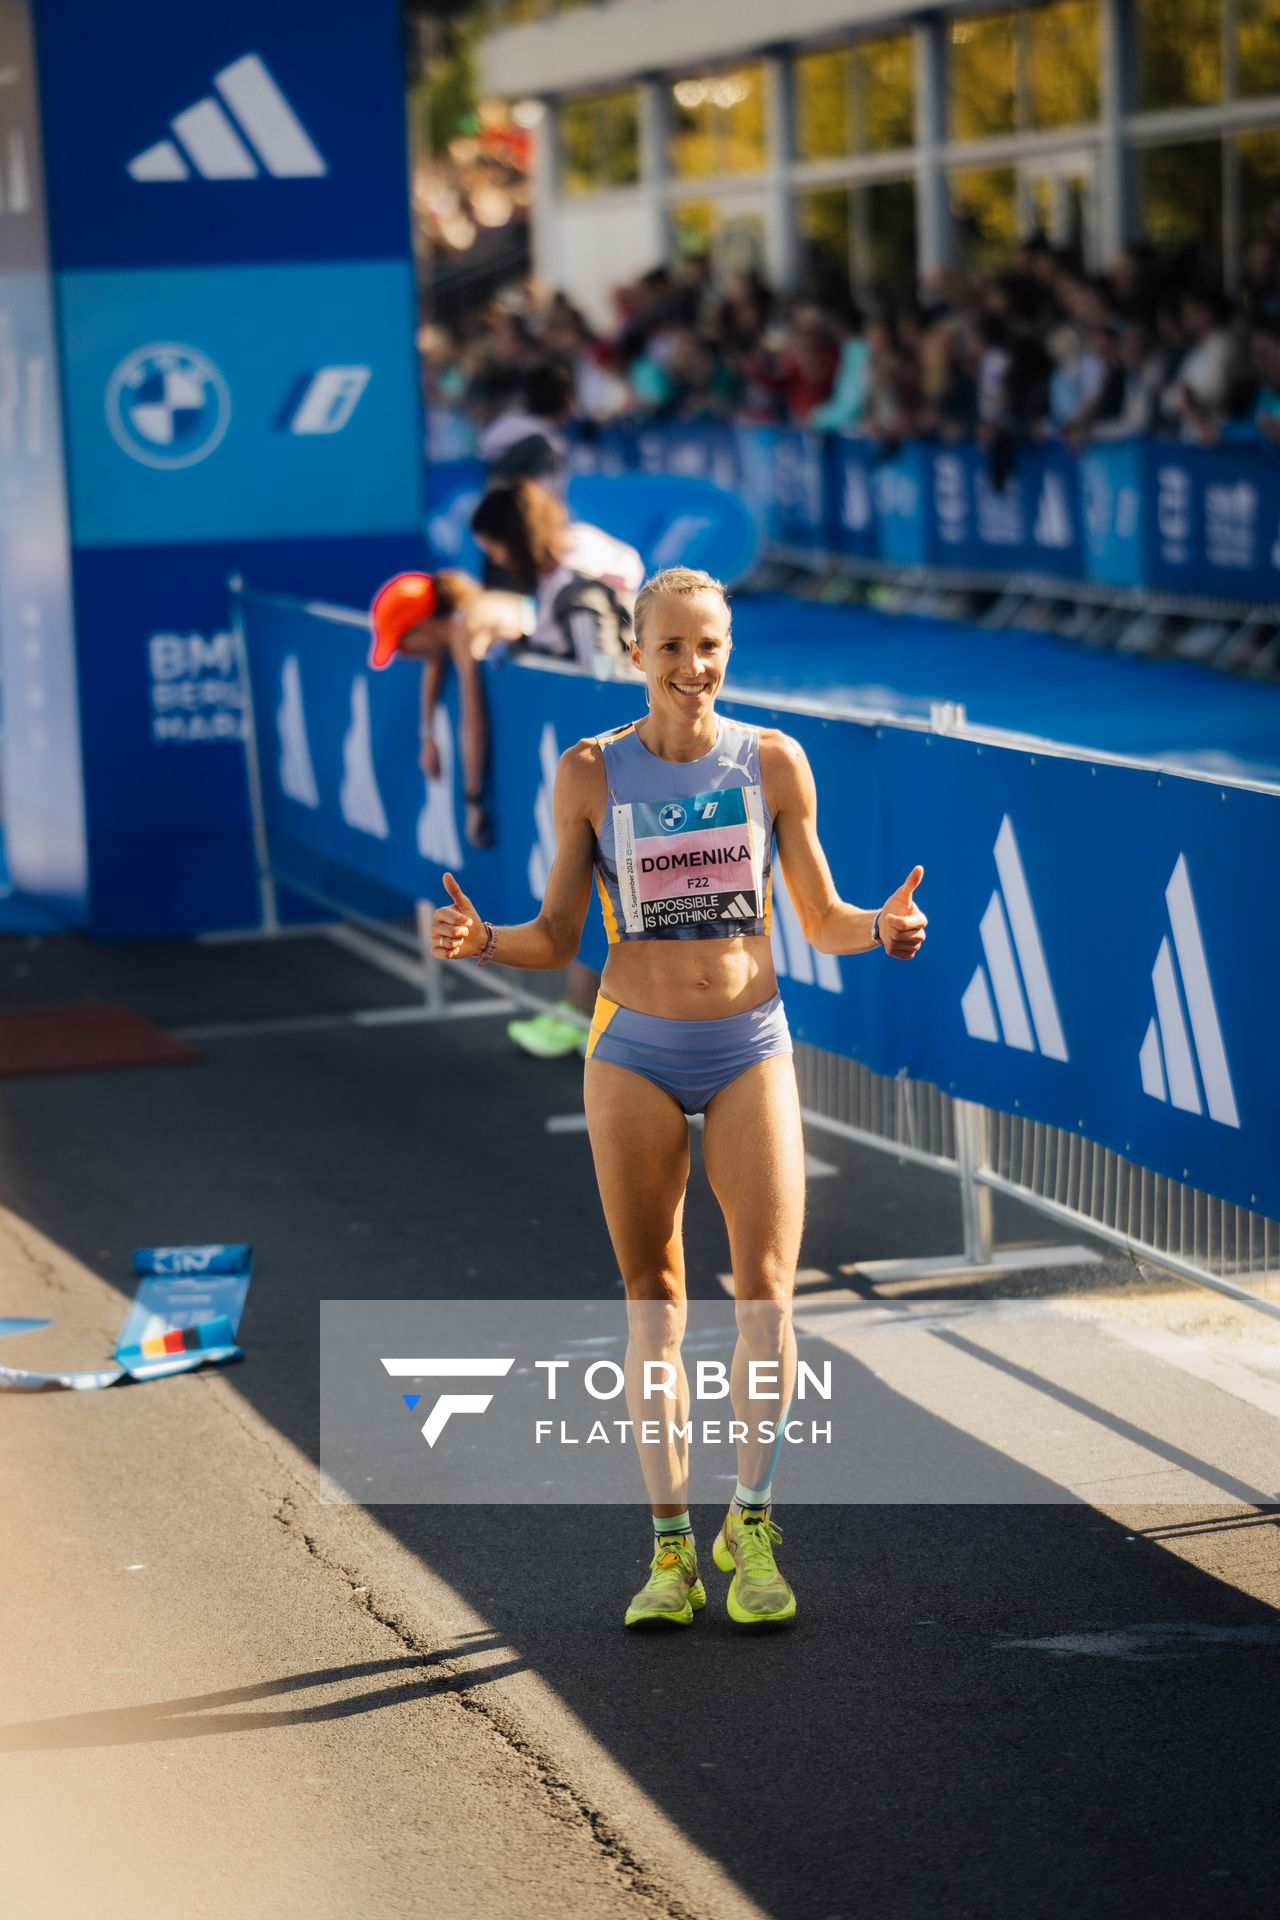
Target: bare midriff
<point x="690" y="979"/>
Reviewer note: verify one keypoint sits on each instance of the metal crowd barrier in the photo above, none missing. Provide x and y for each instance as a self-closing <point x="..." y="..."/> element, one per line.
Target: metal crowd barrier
<point x="1068" y="1178"/>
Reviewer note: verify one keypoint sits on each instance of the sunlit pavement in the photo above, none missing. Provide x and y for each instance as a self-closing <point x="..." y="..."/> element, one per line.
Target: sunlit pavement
<point x="225" y="1697"/>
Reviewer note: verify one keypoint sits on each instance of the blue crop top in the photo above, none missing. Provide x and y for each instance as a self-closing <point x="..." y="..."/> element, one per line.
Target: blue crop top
<point x="685" y="850"/>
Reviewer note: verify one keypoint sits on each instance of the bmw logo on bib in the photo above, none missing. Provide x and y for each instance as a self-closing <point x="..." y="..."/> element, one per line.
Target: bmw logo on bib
<point x="168" y="406"/>
<point x="672" y="817"/>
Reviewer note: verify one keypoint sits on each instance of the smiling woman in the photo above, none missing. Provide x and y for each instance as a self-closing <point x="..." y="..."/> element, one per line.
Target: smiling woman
<point x="676" y="815"/>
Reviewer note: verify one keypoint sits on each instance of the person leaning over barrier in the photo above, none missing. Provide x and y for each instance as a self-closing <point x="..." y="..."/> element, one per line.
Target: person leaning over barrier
<point x="442" y="619"/>
<point x="583" y="580"/>
<point x="584" y="583"/>
<point x="674" y="817"/>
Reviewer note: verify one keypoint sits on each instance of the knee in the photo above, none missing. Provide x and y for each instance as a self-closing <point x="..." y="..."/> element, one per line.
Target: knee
<point x="763" y="1322"/>
<point x="657" y="1311"/>
<point x="656" y="1286"/>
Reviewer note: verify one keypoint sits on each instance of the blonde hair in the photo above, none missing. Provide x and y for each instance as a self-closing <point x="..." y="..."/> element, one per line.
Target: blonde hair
<point x="683" y="582"/>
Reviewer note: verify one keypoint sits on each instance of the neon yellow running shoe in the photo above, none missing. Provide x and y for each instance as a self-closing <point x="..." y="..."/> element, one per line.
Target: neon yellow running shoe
<point x="547" y="1037"/>
<point x="758" y="1594"/>
<point x="673" y="1592"/>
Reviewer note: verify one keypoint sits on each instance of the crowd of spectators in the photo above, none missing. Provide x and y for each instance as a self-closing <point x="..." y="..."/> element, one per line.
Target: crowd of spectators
<point x="1045" y="350"/>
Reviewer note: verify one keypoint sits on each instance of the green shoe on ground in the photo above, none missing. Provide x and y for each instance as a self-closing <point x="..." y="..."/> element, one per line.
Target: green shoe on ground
<point x="547" y="1036"/>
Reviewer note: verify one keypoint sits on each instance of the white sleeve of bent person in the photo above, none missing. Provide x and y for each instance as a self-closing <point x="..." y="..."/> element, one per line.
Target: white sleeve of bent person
<point x="596" y="555"/>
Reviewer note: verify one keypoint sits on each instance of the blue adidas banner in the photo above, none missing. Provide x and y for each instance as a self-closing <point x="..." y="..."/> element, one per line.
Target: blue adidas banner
<point x="1084" y="966"/>
<point x="236" y="362"/>
<point x="238" y="132"/>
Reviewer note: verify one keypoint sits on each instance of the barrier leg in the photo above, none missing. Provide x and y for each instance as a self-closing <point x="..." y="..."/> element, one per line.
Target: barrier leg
<point x="981" y="1255"/>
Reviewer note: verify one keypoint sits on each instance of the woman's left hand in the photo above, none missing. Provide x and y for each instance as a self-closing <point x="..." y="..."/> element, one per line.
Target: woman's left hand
<point x="902" y="924"/>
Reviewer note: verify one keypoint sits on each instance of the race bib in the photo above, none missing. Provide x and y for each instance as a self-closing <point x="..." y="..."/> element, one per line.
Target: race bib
<point x="684" y="862"/>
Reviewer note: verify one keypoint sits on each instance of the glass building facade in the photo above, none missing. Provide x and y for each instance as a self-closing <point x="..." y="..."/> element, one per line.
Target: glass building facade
<point x="889" y="150"/>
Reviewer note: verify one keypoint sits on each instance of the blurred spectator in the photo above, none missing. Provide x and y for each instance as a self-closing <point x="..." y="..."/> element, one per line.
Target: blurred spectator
<point x="583" y="580"/>
<point x="847" y="406"/>
<point x="1045" y="349"/>
<point x="1142" y="376"/>
<point x="1196" y="396"/>
<point x="527" y="441"/>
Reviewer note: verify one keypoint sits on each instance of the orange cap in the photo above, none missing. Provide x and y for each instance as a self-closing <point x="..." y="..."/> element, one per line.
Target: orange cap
<point x="398" y="607"/>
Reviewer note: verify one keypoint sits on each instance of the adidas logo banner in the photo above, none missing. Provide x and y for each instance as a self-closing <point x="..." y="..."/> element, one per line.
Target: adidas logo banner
<point x="1101" y="948"/>
<point x="1182" y="1057"/>
<point x="1013" y="969"/>
<point x="358" y="796"/>
<point x="243" y="128"/>
<point x="179" y="137"/>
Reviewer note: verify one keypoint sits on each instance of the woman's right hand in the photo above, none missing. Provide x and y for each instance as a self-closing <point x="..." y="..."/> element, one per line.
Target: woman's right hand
<point x="457" y="932"/>
<point x="429" y="758"/>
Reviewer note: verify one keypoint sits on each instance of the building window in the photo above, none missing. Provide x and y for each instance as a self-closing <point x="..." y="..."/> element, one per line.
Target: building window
<point x="1061" y="53"/>
<point x="1179" y="53"/>
<point x="1257" y="48"/>
<point x="1031" y="70"/>
<point x="1182" y="202"/>
<point x="1259" y="184"/>
<point x="599" y="141"/>
<point x="718" y="124"/>
<point x="860" y="237"/>
<point x="855" y="99"/>
<point x="982" y="82"/>
<point x="984" y="206"/>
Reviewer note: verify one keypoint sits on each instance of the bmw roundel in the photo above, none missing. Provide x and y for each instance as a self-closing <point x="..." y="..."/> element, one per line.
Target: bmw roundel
<point x="672" y="817"/>
<point x="168" y="405"/>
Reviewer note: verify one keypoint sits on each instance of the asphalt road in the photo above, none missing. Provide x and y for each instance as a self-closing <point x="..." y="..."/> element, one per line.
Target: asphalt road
<point x="223" y="1696"/>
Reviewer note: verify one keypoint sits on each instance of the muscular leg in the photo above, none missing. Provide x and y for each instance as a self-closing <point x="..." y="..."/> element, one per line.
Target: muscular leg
<point x="753" y="1146"/>
<point x="640" y="1141"/>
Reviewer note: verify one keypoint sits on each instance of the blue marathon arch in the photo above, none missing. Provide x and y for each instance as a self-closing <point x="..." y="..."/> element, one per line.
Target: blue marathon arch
<point x="207" y="367"/>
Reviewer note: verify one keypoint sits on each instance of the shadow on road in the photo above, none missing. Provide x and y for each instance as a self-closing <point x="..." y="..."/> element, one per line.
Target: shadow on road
<point x="897" y="1752"/>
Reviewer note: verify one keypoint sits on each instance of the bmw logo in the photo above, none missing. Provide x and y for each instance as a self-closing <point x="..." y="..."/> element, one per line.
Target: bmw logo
<point x="672" y="817"/>
<point x="167" y="405"/>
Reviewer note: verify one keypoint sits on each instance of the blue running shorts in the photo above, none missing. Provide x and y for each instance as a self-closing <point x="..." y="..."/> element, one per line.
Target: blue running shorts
<point x="692" y="1060"/>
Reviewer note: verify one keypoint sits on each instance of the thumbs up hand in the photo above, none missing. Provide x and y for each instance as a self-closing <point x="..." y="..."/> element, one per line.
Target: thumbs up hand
<point x="457" y="932"/>
<point x="902" y="924"/>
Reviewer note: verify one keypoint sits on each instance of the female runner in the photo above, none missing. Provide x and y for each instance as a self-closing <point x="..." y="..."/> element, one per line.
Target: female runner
<point x="677" y="814"/>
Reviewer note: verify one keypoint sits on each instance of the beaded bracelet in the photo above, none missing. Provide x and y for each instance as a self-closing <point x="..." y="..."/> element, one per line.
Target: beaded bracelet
<point x="489" y="948"/>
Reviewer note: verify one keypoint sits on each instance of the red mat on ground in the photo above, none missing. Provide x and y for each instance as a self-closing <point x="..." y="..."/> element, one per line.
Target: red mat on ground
<point x="82" y="1038"/>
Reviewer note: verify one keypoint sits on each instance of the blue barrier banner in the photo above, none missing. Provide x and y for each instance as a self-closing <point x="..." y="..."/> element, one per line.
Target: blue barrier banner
<point x="1129" y="513"/>
<point x="1024" y="521"/>
<point x="1114" y="512"/>
<point x="230" y="133"/>
<point x="852" y="472"/>
<point x="1084" y="965"/>
<point x="1214" y="522"/>
<point x="900" y="494"/>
